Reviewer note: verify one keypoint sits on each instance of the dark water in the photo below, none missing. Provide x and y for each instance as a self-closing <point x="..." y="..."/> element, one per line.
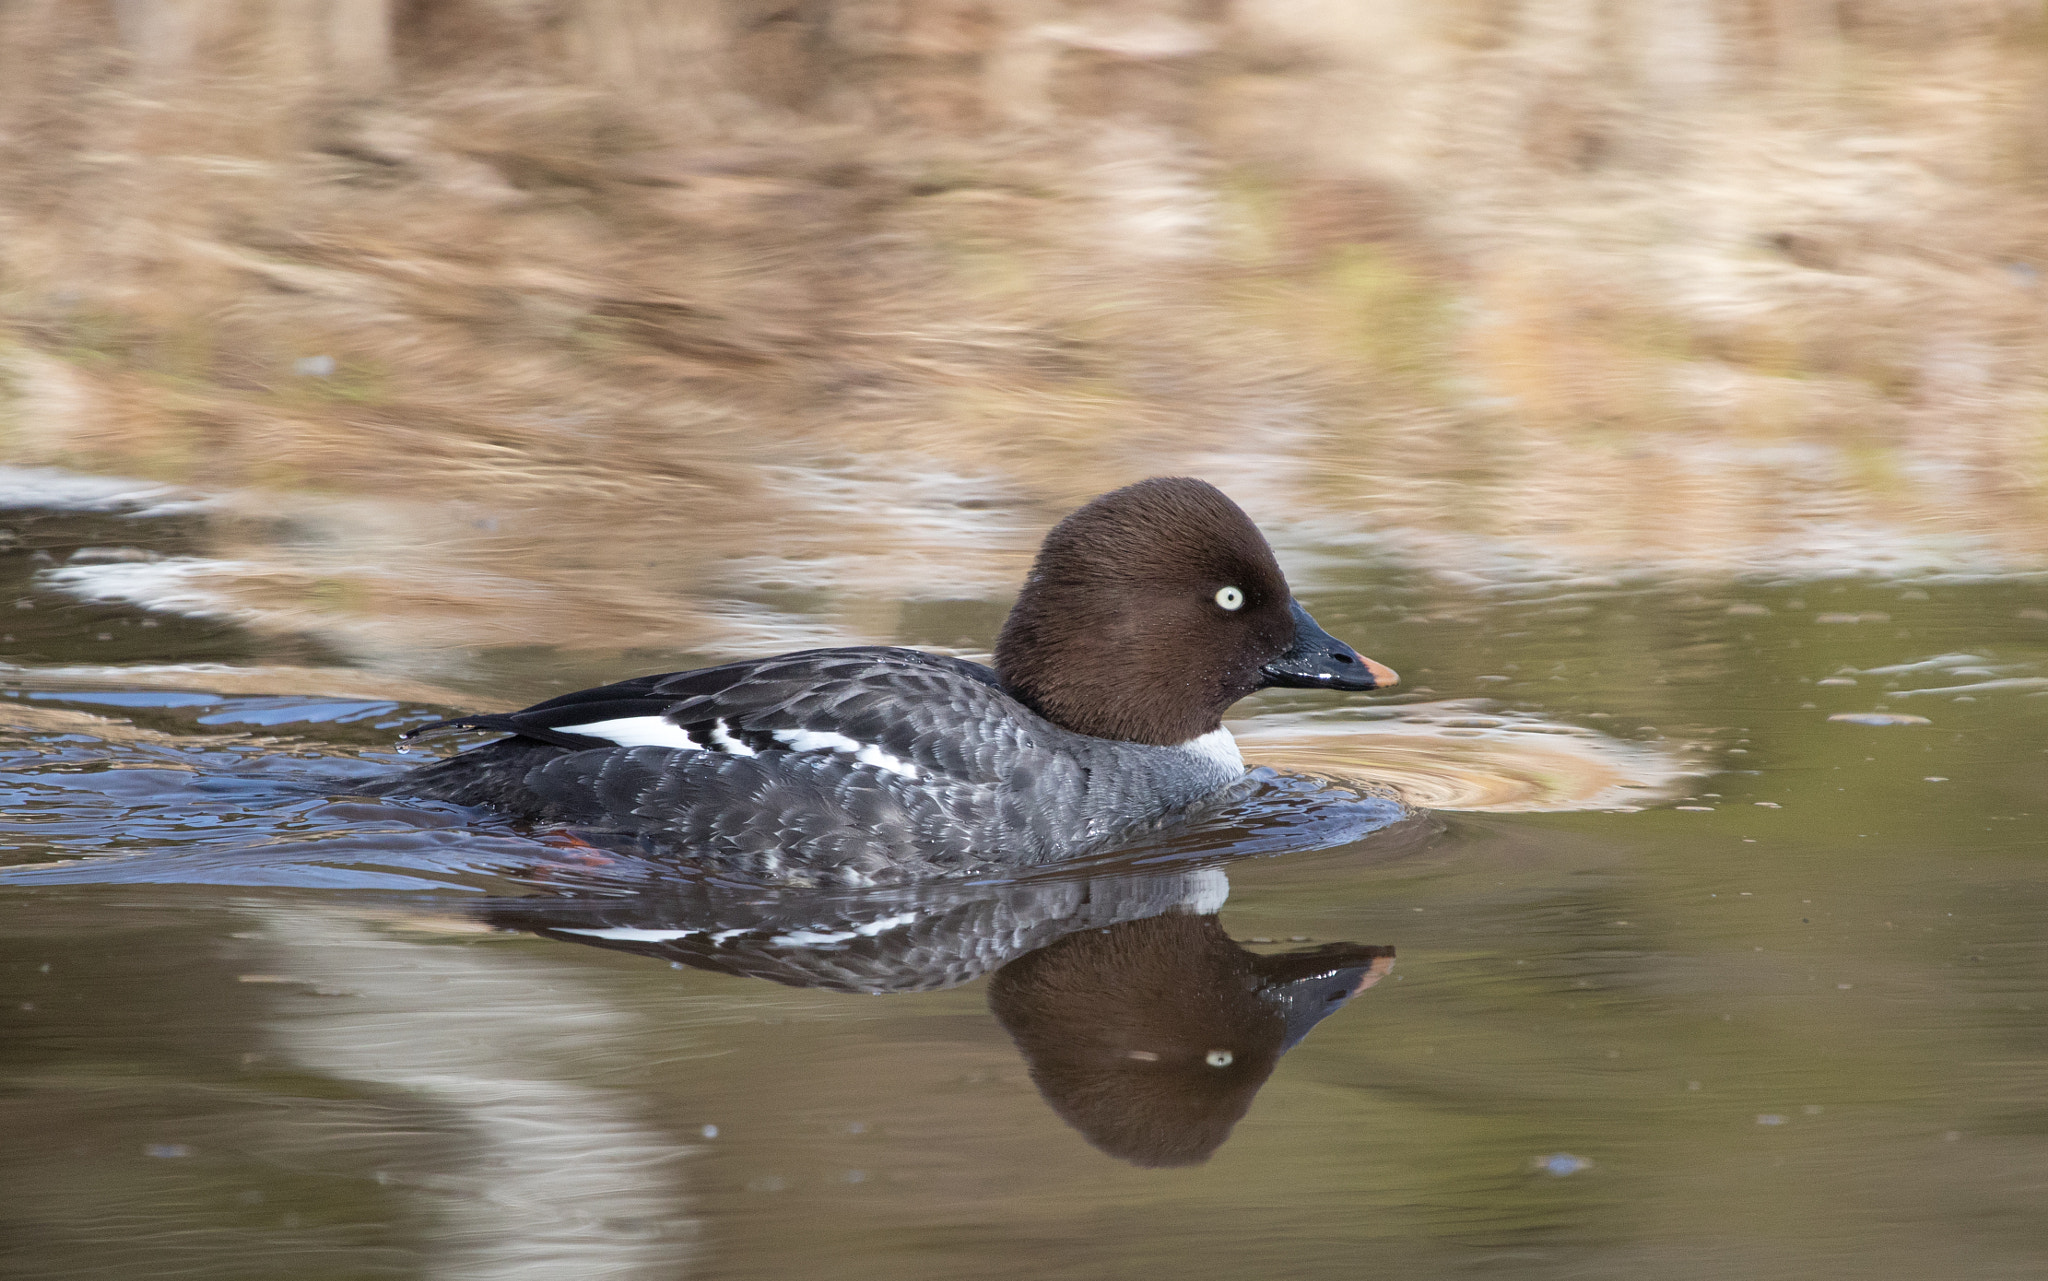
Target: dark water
<point x="1785" y="1020"/>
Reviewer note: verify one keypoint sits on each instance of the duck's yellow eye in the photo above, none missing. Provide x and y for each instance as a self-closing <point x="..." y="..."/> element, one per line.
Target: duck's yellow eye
<point x="1229" y="598"/>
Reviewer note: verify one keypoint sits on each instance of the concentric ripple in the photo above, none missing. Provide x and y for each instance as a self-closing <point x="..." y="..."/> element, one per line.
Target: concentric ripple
<point x="1463" y="755"/>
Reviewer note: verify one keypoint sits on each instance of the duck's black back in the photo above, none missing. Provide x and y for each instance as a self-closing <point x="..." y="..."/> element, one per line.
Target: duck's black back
<point x="849" y="766"/>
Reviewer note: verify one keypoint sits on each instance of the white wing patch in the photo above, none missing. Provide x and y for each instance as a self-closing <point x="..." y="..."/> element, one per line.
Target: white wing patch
<point x="659" y="731"/>
<point x="722" y="739"/>
<point x="631" y="935"/>
<point x="638" y="731"/>
<point x="812" y="740"/>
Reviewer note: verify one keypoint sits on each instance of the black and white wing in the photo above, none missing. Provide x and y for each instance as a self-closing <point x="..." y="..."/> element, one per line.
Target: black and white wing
<point x="832" y="767"/>
<point x="898" y="710"/>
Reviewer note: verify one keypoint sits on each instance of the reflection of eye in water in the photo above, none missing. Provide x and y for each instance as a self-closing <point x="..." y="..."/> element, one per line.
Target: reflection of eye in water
<point x="1152" y="1037"/>
<point x="1145" y="1027"/>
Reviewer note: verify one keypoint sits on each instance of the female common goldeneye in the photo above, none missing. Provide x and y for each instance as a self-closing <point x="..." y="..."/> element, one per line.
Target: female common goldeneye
<point x="1146" y="614"/>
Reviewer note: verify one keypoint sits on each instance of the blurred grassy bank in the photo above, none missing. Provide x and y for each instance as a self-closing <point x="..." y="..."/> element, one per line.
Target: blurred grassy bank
<point x="512" y="321"/>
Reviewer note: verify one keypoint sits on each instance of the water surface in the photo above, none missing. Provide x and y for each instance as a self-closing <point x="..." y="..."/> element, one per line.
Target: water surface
<point x="1684" y="977"/>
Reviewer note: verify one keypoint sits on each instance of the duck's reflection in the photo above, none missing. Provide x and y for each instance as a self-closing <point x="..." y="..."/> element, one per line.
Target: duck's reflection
<point x="1152" y="1036"/>
<point x="1144" y="1025"/>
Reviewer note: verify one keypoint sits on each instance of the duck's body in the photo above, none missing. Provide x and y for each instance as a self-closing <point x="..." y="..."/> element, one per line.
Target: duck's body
<point x="1149" y="612"/>
<point x="841" y="766"/>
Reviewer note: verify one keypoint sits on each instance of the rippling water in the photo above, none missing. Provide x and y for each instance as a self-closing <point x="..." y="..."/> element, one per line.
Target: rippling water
<point x="1715" y="950"/>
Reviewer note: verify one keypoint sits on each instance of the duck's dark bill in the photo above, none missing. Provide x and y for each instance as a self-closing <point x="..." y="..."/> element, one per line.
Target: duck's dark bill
<point x="1319" y="660"/>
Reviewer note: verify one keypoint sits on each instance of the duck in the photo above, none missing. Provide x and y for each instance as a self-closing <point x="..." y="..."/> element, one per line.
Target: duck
<point x="1145" y="615"/>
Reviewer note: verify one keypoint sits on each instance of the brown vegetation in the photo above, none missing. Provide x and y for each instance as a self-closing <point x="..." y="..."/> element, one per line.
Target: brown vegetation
<point x="534" y="319"/>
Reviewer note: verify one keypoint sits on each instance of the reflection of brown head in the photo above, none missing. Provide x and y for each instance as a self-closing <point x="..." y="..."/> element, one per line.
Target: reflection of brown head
<point x="1152" y="1036"/>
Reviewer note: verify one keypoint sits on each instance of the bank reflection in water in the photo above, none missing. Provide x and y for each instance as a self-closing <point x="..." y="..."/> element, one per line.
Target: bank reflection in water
<point x="1144" y="1025"/>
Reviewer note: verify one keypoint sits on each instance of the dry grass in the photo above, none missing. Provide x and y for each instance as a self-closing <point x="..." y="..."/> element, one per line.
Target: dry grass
<point x="617" y="292"/>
